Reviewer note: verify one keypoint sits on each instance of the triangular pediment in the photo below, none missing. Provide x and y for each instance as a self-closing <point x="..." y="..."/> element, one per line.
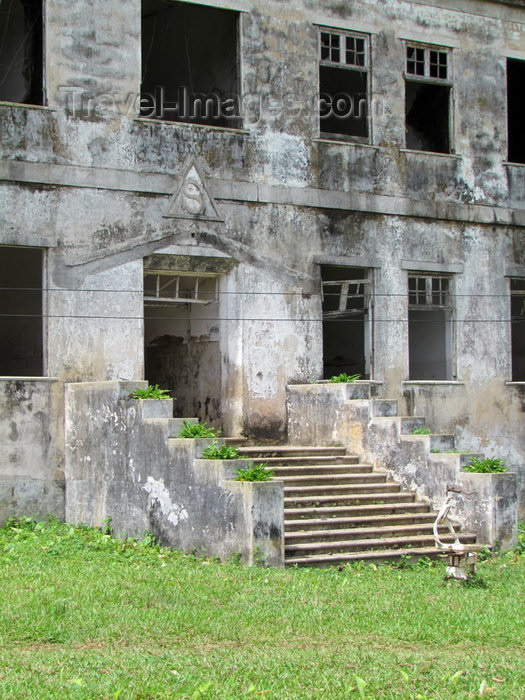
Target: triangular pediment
<point x="191" y="199"/>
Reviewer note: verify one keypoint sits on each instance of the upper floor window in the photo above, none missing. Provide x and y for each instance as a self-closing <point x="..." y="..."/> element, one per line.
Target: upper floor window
<point x="428" y="98"/>
<point x="21" y="51"/>
<point x="515" y="130"/>
<point x="189" y="63"/>
<point x="344" y="84"/>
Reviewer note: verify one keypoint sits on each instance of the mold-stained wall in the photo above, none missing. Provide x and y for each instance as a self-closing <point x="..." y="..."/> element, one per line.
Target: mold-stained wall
<point x="98" y="189"/>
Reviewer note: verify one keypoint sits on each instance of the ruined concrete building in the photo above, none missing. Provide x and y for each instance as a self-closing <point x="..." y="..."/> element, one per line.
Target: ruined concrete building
<point x="228" y="197"/>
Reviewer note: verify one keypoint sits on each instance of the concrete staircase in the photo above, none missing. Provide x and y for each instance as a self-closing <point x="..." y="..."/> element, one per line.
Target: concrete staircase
<point x="337" y="510"/>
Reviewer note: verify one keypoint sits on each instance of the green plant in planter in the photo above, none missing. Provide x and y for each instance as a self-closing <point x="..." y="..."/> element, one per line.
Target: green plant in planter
<point x="151" y="392"/>
<point x="421" y="431"/>
<point x="344" y="378"/>
<point x="254" y="472"/>
<point x="487" y="465"/>
<point x="222" y="452"/>
<point x="197" y="430"/>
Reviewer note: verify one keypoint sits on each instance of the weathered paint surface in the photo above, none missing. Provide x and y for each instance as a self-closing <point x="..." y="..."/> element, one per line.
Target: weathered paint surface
<point x="92" y="185"/>
<point x="123" y="463"/>
<point x="31" y="465"/>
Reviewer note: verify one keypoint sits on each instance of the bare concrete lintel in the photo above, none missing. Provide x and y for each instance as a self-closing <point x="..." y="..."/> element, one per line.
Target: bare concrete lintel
<point x="347" y="261"/>
<point x="433" y="382"/>
<point x="515" y="271"/>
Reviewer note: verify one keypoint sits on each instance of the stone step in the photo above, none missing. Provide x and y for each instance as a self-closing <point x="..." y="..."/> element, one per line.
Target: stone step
<point x="389" y="520"/>
<point x="334" y="480"/>
<point x="352" y="511"/>
<point x="337" y="534"/>
<point x="367" y="544"/>
<point x="235" y="441"/>
<point x="290" y="451"/>
<point x="315" y="460"/>
<point x="343" y="489"/>
<point x="349" y="499"/>
<point x="375" y="556"/>
<point x="322" y="469"/>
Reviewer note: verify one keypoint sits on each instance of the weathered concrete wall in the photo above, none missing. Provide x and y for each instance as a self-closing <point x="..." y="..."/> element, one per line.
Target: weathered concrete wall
<point x="94" y="183"/>
<point x="31" y="467"/>
<point x="122" y="463"/>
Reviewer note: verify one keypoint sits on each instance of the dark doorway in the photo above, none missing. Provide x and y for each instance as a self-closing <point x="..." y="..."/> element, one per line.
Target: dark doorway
<point x="517" y="305"/>
<point x="346" y="320"/>
<point x="181" y="334"/>
<point x="21" y="344"/>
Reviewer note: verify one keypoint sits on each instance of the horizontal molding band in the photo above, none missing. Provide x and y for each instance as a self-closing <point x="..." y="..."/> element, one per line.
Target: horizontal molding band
<point x="240" y="191"/>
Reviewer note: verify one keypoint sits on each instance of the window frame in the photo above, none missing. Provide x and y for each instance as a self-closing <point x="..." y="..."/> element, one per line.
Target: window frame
<point x="176" y="276"/>
<point x="354" y="67"/>
<point x="429" y="306"/>
<point x="428" y="49"/>
<point x="427" y="79"/>
<point x="429" y="291"/>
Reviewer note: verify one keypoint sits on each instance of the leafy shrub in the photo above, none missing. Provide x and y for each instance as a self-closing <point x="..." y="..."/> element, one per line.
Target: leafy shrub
<point x="151" y="392"/>
<point x="344" y="378"/>
<point x="488" y="465"/>
<point x="254" y="472"/>
<point x="421" y="431"/>
<point x="222" y="452"/>
<point x="197" y="430"/>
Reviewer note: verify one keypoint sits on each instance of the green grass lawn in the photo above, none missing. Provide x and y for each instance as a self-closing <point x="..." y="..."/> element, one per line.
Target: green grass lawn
<point x="87" y="616"/>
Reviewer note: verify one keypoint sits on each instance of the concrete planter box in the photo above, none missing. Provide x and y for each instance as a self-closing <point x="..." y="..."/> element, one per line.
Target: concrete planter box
<point x="318" y="414"/>
<point x="256" y="531"/>
<point x="154" y="408"/>
<point x="262" y="543"/>
<point x="492" y="510"/>
<point x="218" y="470"/>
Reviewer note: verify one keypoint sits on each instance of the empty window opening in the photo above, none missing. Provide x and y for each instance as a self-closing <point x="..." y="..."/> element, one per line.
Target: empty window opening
<point x="430" y="327"/>
<point x="343" y="84"/>
<point x="346" y="303"/>
<point x="517" y="306"/>
<point x="21" y="344"/>
<point x="427" y="99"/>
<point x="181" y="333"/>
<point x="515" y="130"/>
<point x="189" y="63"/>
<point x="21" y="51"/>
